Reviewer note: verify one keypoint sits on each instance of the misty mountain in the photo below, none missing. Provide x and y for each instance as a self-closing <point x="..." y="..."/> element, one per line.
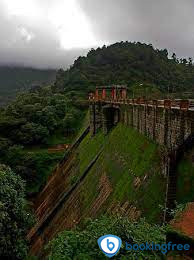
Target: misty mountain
<point x="17" y="79"/>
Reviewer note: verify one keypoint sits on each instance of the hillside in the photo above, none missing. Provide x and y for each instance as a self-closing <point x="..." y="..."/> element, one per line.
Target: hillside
<point x="128" y="63"/>
<point x="17" y="79"/>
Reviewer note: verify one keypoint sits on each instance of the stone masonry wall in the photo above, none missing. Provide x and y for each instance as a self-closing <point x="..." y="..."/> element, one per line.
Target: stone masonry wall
<point x="166" y="126"/>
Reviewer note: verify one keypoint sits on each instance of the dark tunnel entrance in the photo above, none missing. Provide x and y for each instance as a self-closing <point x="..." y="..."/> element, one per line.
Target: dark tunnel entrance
<point x="111" y="118"/>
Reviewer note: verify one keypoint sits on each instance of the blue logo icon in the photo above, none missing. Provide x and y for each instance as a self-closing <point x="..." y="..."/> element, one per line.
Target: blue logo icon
<point x="109" y="244"/>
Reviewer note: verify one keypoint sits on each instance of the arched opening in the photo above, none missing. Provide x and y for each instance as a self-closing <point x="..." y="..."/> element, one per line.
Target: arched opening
<point x="111" y="117"/>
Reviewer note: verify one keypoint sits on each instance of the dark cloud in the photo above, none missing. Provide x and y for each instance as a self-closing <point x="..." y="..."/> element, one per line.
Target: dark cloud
<point x="32" y="44"/>
<point x="165" y="24"/>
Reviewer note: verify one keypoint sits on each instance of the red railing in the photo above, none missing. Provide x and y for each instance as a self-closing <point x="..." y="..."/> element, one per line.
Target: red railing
<point x="166" y="103"/>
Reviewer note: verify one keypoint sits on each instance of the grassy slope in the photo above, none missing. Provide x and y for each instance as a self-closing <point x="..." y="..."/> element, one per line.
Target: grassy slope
<point x="126" y="156"/>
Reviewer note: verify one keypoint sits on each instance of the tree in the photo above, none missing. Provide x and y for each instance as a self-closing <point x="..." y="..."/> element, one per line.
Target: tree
<point x="59" y="83"/>
<point x="82" y="244"/>
<point x="174" y="58"/>
<point x="164" y="53"/>
<point x="14" y="217"/>
<point x="71" y="120"/>
<point x="190" y="61"/>
<point x="37" y="118"/>
<point x="183" y="61"/>
<point x="4" y="145"/>
<point x="127" y="63"/>
<point x="31" y="133"/>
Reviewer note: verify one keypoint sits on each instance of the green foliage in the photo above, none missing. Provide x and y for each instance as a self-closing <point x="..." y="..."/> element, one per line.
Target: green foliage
<point x="177" y="210"/>
<point x="147" y="91"/>
<point x="14" y="217"/>
<point x="72" y="119"/>
<point x="128" y="63"/>
<point x="30" y="125"/>
<point x="4" y="144"/>
<point x="82" y="244"/>
<point x="31" y="133"/>
<point x="35" y="116"/>
<point x="33" y="167"/>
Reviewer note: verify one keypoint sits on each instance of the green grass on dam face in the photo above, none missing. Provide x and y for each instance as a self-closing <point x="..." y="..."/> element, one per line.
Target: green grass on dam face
<point x="127" y="157"/>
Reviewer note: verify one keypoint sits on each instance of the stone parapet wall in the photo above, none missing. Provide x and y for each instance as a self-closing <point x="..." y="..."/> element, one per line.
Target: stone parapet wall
<point x="166" y="126"/>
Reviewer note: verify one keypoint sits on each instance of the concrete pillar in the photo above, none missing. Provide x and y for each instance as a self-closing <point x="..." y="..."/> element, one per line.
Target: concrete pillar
<point x="125" y="116"/>
<point x="166" y="125"/>
<point x="95" y="117"/>
<point x="96" y="94"/>
<point x="120" y="94"/>
<point x="145" y="119"/>
<point x="141" y="119"/>
<point x="167" y="103"/>
<point x="90" y="96"/>
<point x="130" y="115"/>
<point x="123" y="93"/>
<point x="184" y="105"/>
<point x="138" y="118"/>
<point x="113" y="94"/>
<point x="103" y="93"/>
<point x="182" y="127"/>
<point x="154" y="118"/>
<point x="92" y="119"/>
<point x="127" y="109"/>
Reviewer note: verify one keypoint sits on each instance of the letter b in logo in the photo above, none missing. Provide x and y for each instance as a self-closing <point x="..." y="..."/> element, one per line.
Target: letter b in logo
<point x="109" y="244"/>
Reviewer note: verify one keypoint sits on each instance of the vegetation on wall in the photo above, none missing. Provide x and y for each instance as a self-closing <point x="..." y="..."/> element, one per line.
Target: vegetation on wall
<point x="131" y="164"/>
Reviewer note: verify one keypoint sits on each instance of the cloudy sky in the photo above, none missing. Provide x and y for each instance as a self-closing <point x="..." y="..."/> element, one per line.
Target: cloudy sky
<point x="52" y="33"/>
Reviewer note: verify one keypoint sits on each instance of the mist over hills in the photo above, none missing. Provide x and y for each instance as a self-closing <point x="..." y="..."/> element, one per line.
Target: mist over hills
<point x="120" y="63"/>
<point x="16" y="79"/>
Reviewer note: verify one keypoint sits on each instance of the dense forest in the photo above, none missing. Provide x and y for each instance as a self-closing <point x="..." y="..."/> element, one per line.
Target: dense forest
<point x="131" y="64"/>
<point x="30" y="125"/>
<point x="16" y="79"/>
